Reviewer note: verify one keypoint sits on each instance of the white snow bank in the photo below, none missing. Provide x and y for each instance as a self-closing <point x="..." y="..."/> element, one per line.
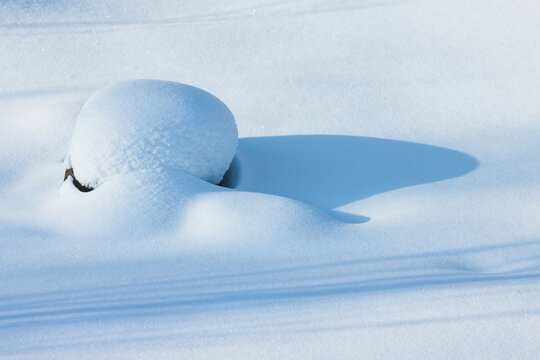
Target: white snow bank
<point x="149" y="124"/>
<point x="149" y="214"/>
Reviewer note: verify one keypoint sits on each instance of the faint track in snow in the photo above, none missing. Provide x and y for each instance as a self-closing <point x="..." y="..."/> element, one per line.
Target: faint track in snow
<point x="188" y="303"/>
<point x="193" y="295"/>
<point x="52" y="91"/>
<point x="269" y="10"/>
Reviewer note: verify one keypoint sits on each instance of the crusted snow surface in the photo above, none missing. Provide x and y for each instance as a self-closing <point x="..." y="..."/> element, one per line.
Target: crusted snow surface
<point x="148" y="124"/>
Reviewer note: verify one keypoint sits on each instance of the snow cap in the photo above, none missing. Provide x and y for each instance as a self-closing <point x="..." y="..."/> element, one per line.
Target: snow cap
<point x="152" y="124"/>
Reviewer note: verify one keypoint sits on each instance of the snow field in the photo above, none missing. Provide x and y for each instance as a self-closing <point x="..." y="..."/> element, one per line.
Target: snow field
<point x="386" y="203"/>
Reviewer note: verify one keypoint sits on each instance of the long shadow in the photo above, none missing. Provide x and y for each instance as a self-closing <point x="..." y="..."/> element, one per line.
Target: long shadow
<point x="328" y="171"/>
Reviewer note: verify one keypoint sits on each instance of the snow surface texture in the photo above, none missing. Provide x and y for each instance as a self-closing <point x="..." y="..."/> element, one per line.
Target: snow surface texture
<point x="150" y="124"/>
<point x="383" y="201"/>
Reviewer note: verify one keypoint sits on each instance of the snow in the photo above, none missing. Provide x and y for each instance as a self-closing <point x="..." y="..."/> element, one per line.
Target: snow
<point x="150" y="124"/>
<point x="383" y="201"/>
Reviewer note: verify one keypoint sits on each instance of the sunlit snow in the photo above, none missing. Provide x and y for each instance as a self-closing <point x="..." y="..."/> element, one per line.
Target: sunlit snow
<point x="381" y="199"/>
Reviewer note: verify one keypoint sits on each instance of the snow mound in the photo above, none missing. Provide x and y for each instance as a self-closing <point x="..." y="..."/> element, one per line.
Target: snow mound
<point x="151" y="124"/>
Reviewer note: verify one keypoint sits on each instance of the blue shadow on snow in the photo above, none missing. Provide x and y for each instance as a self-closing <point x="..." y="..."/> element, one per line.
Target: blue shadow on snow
<point x="328" y="171"/>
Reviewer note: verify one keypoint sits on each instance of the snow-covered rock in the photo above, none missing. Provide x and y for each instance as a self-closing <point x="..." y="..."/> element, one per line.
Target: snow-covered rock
<point x="151" y="124"/>
<point x="379" y="101"/>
